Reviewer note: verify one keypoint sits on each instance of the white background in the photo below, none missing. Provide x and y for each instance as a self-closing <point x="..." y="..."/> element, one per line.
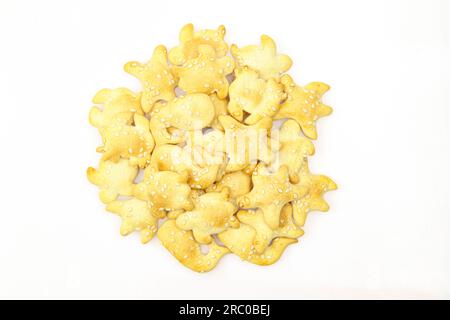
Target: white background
<point x="387" y="145"/>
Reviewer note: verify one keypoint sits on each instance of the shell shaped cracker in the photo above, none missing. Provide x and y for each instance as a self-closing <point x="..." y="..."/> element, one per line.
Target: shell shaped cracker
<point x="186" y="250"/>
<point x="206" y="73"/>
<point x="114" y="102"/>
<point x="271" y="192"/>
<point x="157" y="80"/>
<point x="164" y="190"/>
<point x="136" y="216"/>
<point x="213" y="213"/>
<point x="263" y="58"/>
<point x="304" y="105"/>
<point x="294" y="147"/>
<point x="313" y="200"/>
<point x="259" y="97"/>
<point x="264" y="234"/>
<point x="190" y="41"/>
<point x="113" y="179"/>
<point x="241" y="241"/>
<point x="187" y="113"/>
<point x="127" y="141"/>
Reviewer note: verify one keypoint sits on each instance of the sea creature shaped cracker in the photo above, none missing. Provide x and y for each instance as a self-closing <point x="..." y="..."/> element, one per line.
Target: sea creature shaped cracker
<point x="216" y="144"/>
<point x="206" y="73"/>
<point x="241" y="241"/>
<point x="213" y="213"/>
<point x="190" y="41"/>
<point x="112" y="103"/>
<point x="157" y="80"/>
<point x="190" y="112"/>
<point x="294" y="148"/>
<point x="258" y="97"/>
<point x="304" y="105"/>
<point x="164" y="190"/>
<point x="136" y="216"/>
<point x="313" y="200"/>
<point x="113" y="179"/>
<point x="263" y="58"/>
<point x="186" y="250"/>
<point x="134" y="142"/>
<point x="271" y="192"/>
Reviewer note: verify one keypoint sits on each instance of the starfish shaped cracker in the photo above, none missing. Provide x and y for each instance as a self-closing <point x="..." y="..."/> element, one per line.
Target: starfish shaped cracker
<point x="271" y="192"/>
<point x="262" y="58"/>
<point x="316" y="185"/>
<point x="206" y="73"/>
<point x="157" y="80"/>
<point x="304" y="105"/>
<point x="136" y="216"/>
<point x="190" y="40"/>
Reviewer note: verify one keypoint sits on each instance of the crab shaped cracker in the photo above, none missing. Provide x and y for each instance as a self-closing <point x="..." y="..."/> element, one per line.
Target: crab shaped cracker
<point x="157" y="80"/>
<point x="313" y="200"/>
<point x="271" y="192"/>
<point x="114" y="102"/>
<point x="262" y="58"/>
<point x="264" y="234"/>
<point x="260" y="98"/>
<point x="136" y="216"/>
<point x="113" y="179"/>
<point x="164" y="190"/>
<point x="294" y="147"/>
<point x="186" y="250"/>
<point x="190" y="41"/>
<point x="304" y="105"/>
<point x="241" y="241"/>
<point x="130" y="142"/>
<point x="187" y="113"/>
<point x="213" y="213"/>
<point x="206" y="73"/>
